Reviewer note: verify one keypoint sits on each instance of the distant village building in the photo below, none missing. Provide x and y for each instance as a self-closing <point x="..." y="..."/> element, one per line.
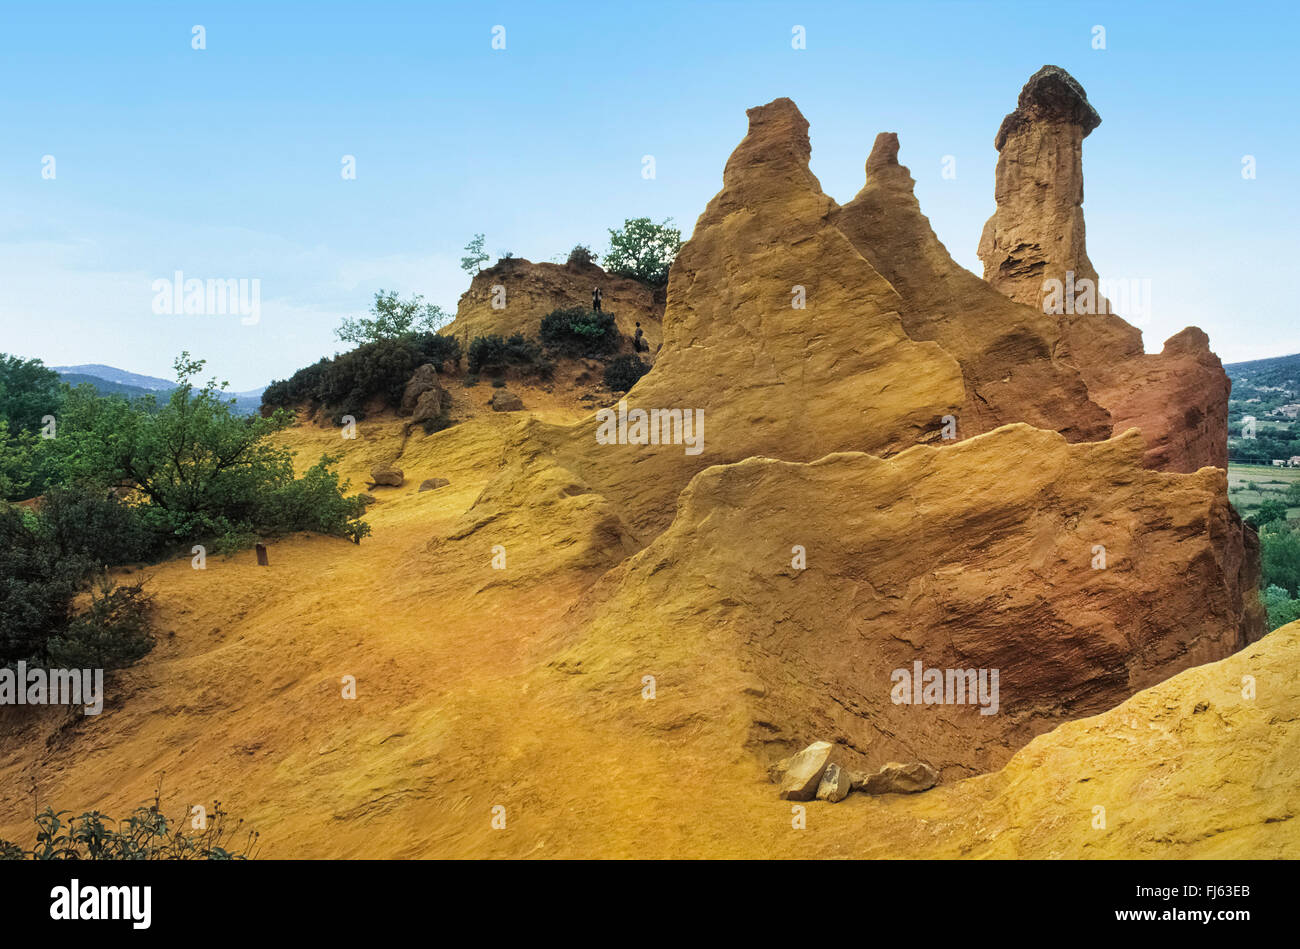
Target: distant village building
<point x="1279" y="462"/>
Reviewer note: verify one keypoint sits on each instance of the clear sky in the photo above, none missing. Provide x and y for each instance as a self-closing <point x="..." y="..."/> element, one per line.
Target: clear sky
<point x="225" y="162"/>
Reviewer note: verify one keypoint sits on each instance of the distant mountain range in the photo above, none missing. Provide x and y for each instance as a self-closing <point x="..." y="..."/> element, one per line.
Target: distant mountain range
<point x="109" y="380"/>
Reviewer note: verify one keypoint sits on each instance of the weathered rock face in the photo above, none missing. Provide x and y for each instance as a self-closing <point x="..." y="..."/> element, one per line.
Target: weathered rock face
<point x="530" y="291"/>
<point x="1078" y="580"/>
<point x="771" y="377"/>
<point x="1006" y="350"/>
<point x="979" y="553"/>
<point x="1178" y="398"/>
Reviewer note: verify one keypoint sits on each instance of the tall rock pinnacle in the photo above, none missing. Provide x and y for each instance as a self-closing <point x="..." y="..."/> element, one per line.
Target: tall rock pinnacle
<point x="1037" y="232"/>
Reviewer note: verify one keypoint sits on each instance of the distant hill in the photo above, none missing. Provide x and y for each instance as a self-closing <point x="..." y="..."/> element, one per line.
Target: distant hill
<point x="1278" y="371"/>
<point x="117" y="376"/>
<point x="109" y="380"/>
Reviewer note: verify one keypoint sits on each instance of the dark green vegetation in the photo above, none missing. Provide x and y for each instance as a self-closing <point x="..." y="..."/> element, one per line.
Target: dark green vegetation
<point x="576" y="331"/>
<point x="145" y="835"/>
<point x="623" y="372"/>
<point x="120" y="482"/>
<point x="397" y="338"/>
<point x="494" y="355"/>
<point x="346" y="384"/>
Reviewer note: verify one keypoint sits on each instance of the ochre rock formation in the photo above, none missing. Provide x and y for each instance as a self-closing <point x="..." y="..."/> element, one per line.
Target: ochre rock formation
<point x="533" y="290"/>
<point x="1006" y="350"/>
<point x="1078" y="574"/>
<point x="839" y="373"/>
<point x="508" y="625"/>
<point x="1178" y="398"/>
<point x="1037" y="232"/>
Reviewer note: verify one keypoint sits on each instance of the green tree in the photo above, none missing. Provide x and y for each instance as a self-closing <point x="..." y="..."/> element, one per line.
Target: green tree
<point x="203" y="471"/>
<point x="1281" y="608"/>
<point x="393" y="318"/>
<point x="1280" y="557"/>
<point x="643" y="249"/>
<point x="475" y="255"/>
<point x="1269" y="511"/>
<point x="1293" y="494"/>
<point x="28" y="392"/>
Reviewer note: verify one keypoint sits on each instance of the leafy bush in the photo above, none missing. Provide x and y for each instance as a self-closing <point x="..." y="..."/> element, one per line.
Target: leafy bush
<point x="112" y="633"/>
<point x="42" y="569"/>
<point x="314" y="502"/>
<point x="345" y="384"/>
<point x="1280" y="557"/>
<point x="199" y="471"/>
<point x="643" y="250"/>
<point x="622" y="374"/>
<point x="37" y="586"/>
<point x="1269" y="511"/>
<point x="494" y="354"/>
<point x="145" y="835"/>
<point x="576" y="331"/>
<point x="1281" y="608"/>
<point x="581" y="254"/>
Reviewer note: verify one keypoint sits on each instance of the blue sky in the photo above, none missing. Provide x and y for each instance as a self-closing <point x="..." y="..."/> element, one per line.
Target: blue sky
<point x="225" y="162"/>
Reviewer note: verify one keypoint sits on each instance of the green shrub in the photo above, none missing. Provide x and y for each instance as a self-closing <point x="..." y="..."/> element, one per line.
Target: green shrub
<point x="145" y="835"/>
<point x="393" y="318"/>
<point x="1269" y="511"/>
<point x="112" y="633"/>
<point x="579" y="332"/>
<point x="43" y="566"/>
<point x="624" y="371"/>
<point x="37" y="586"/>
<point x="345" y="384"/>
<point x="1281" y="608"/>
<point x="315" y="502"/>
<point x="494" y="354"/>
<point x="581" y="254"/>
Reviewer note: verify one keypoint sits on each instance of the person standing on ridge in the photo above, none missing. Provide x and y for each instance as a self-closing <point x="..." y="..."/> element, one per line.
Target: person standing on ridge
<point x="595" y="299"/>
<point x="638" y="341"/>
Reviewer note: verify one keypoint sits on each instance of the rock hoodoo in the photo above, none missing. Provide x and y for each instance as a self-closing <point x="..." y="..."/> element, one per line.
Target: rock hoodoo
<point x="1178" y="398"/>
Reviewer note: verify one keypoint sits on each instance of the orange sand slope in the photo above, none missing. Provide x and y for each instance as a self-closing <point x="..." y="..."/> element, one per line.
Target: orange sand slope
<point x="475" y="689"/>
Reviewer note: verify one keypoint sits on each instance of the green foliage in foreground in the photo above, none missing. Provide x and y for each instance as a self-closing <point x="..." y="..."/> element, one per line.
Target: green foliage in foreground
<point x="125" y="482"/>
<point x="145" y="835"/>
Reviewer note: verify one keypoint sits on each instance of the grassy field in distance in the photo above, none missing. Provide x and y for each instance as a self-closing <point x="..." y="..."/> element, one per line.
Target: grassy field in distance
<point x="1270" y="482"/>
